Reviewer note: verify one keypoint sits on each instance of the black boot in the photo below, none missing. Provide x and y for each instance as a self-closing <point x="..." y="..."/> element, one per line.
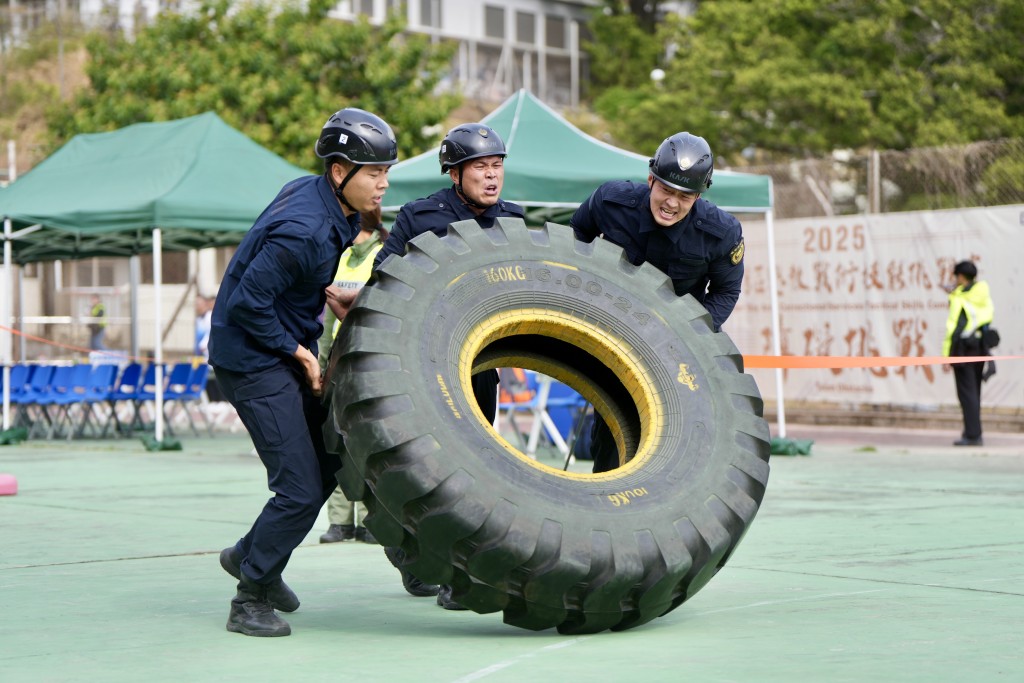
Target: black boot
<point x="363" y="534"/>
<point x="413" y="586"/>
<point x="445" y="600"/>
<point x="280" y="595"/>
<point x="252" y="615"/>
<point x="339" y="532"/>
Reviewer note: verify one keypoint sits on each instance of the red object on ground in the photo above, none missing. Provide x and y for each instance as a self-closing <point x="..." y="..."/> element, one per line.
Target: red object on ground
<point x="8" y="485"/>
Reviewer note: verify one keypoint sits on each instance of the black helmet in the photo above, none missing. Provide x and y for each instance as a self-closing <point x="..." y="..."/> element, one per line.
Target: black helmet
<point x="684" y="162"/>
<point x="359" y="137"/>
<point x="469" y="141"/>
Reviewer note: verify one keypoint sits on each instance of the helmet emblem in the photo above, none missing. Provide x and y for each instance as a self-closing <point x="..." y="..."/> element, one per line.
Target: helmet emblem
<point x="482" y="131"/>
<point x="342" y="138"/>
<point x="685" y="163"/>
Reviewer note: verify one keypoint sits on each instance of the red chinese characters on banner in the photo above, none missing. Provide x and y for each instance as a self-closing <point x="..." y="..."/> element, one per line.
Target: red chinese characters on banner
<point x="843" y="292"/>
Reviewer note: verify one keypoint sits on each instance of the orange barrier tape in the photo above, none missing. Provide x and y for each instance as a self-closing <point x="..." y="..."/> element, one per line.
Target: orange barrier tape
<point x="69" y="347"/>
<point x="749" y="362"/>
<point x="835" y="362"/>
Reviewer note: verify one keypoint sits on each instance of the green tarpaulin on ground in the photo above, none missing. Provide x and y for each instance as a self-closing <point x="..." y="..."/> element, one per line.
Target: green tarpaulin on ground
<point x="552" y="166"/>
<point x="199" y="180"/>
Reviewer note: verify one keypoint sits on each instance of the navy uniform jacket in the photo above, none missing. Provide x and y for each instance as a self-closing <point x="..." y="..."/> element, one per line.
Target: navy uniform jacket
<point x="272" y="294"/>
<point x="434" y="213"/>
<point x="703" y="253"/>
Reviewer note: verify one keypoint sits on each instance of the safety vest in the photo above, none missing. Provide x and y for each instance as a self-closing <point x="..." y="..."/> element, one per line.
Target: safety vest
<point x="99" y="311"/>
<point x="354" y="278"/>
<point x="976" y="304"/>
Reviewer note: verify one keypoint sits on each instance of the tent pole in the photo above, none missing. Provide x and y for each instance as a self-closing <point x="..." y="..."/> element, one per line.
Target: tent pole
<point x="773" y="292"/>
<point x="158" y="349"/>
<point x="22" y="343"/>
<point x="7" y="341"/>
<point x="133" y="304"/>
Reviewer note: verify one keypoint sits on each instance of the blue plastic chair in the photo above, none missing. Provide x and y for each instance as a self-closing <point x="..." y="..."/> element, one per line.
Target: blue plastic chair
<point x="44" y="397"/>
<point x="19" y="377"/>
<point x="564" y="406"/>
<point x="38" y="384"/>
<point x="175" y="381"/>
<point x="65" y="395"/>
<point x="98" y="388"/>
<point x="126" y="389"/>
<point x="146" y="393"/>
<point x="190" y="392"/>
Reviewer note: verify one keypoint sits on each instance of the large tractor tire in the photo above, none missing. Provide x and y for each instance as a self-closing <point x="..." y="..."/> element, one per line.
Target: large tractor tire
<point x="548" y="548"/>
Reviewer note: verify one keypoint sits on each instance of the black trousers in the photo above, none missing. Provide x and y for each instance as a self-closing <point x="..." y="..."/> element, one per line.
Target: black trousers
<point x="603" y="449"/>
<point x="285" y="421"/>
<point x="968" y="391"/>
<point x="485" y="390"/>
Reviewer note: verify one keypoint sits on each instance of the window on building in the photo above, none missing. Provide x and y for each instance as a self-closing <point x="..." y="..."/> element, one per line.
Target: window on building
<point x="430" y="13"/>
<point x="554" y="31"/>
<point x="526" y="28"/>
<point x="364" y="7"/>
<point x="494" y="22"/>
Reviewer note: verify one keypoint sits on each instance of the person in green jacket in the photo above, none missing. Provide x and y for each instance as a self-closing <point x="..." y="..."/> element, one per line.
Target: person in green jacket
<point x="970" y="312"/>
<point x="344" y="517"/>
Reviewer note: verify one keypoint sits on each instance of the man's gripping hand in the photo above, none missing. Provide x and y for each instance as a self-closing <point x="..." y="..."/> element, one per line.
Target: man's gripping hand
<point x="311" y="367"/>
<point x="340" y="300"/>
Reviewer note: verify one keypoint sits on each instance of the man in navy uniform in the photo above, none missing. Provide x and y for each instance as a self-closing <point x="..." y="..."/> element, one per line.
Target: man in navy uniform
<point x="666" y="223"/>
<point x="263" y="345"/>
<point x="473" y="156"/>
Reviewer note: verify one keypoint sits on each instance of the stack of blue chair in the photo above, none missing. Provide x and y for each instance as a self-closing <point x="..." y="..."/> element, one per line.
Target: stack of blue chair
<point x="37" y="385"/>
<point x="97" y="389"/>
<point x="66" y="387"/>
<point x="188" y="393"/>
<point x="125" y="391"/>
<point x="59" y="400"/>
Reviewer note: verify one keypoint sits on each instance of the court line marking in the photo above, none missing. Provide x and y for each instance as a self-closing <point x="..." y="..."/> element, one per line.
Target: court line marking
<point x="494" y="668"/>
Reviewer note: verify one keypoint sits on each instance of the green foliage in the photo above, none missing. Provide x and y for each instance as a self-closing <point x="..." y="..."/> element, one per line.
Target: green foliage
<point x="44" y="43"/>
<point x="18" y="94"/>
<point x="275" y="73"/>
<point x="803" y="77"/>
<point x="622" y="53"/>
<point x="1003" y="179"/>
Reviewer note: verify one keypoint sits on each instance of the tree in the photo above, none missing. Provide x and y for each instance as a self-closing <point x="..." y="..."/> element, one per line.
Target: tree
<point x="275" y="73"/>
<point x="623" y="48"/>
<point x="802" y="77"/>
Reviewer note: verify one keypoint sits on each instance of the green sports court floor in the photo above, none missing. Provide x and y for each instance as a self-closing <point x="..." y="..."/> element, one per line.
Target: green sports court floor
<point x="882" y="556"/>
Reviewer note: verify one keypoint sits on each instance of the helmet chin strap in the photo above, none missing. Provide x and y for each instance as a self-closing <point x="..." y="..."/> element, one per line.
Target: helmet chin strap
<point x="339" y="191"/>
<point x="465" y="197"/>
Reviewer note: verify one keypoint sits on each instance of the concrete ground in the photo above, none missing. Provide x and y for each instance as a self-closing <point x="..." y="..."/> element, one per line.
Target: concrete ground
<point x="885" y="556"/>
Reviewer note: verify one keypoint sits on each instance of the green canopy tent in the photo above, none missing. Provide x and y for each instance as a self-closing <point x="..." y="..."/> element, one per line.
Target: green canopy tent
<point x="170" y="186"/>
<point x="552" y="167"/>
<point x="197" y="179"/>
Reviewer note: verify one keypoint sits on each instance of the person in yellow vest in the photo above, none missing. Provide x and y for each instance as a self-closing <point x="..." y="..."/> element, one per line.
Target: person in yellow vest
<point x="98" y="326"/>
<point x="344" y="516"/>
<point x="970" y="312"/>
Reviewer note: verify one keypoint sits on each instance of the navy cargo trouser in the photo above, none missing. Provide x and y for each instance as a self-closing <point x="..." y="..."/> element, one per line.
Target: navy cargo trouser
<point x="285" y="421"/>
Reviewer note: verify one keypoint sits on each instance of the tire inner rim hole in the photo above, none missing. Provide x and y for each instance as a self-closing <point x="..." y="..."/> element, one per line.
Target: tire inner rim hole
<point x="577" y="367"/>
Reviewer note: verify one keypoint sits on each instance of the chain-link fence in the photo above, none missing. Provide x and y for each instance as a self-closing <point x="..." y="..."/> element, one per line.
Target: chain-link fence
<point x="986" y="173"/>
